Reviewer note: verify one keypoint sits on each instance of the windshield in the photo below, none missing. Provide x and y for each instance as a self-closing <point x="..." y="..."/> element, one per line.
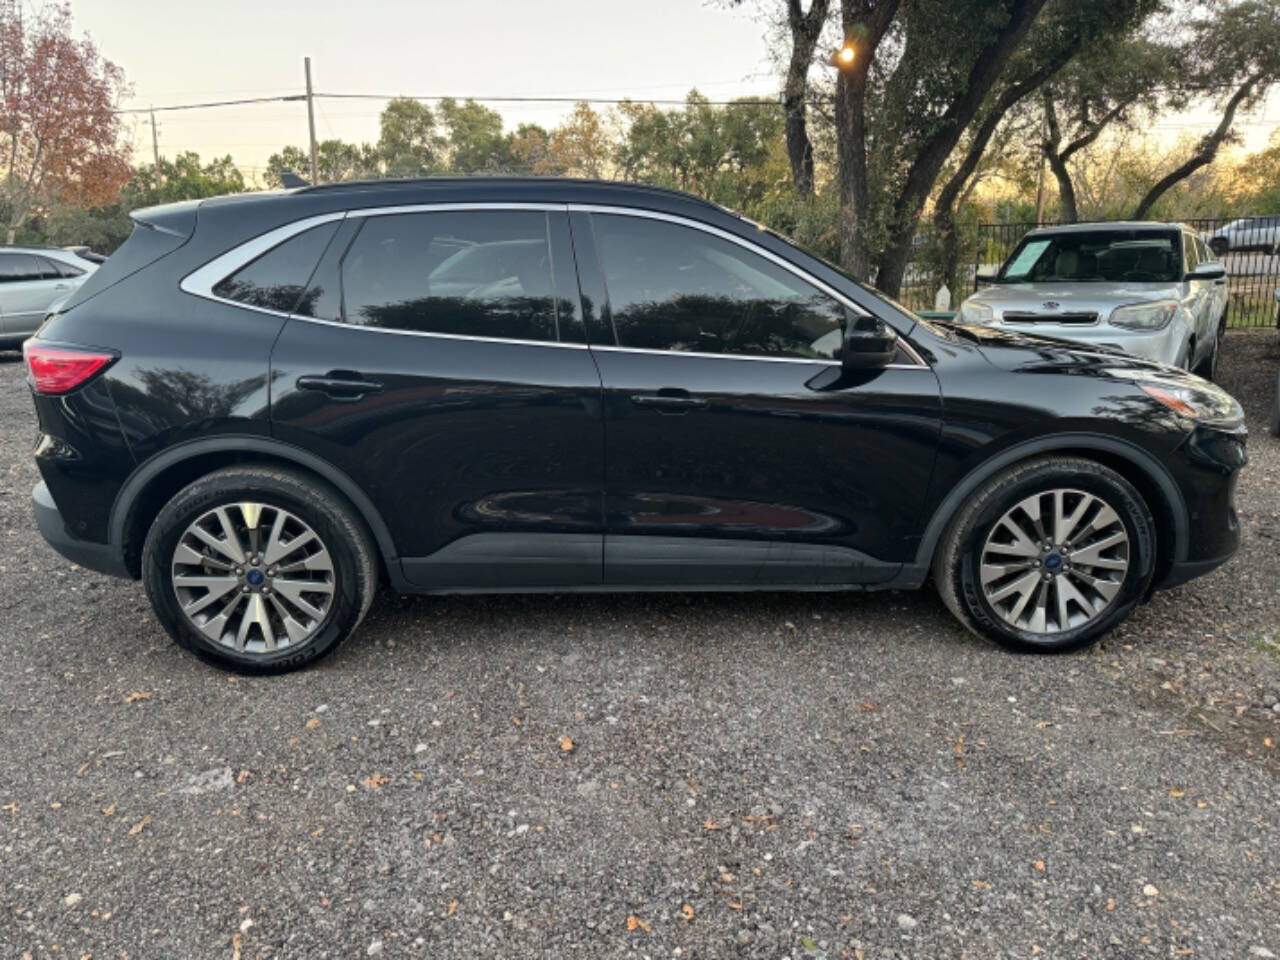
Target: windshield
<point x="1144" y="256"/>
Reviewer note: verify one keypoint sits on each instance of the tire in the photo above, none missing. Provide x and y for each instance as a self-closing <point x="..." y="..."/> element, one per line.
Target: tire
<point x="1208" y="367"/>
<point x="1219" y="246"/>
<point x="331" y="576"/>
<point x="958" y="568"/>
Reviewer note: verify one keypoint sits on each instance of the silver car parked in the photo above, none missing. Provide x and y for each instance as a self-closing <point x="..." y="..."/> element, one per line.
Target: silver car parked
<point x="1151" y="289"/>
<point x="32" y="279"/>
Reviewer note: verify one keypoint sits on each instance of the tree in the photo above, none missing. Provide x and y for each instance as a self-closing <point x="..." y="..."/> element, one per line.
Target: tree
<point x="476" y="143"/>
<point x="336" y="160"/>
<point x="580" y="146"/>
<point x="1070" y="33"/>
<point x="408" y="143"/>
<point x="59" y="130"/>
<point x="1238" y="52"/>
<point x="183" y="178"/>
<point x="806" y="29"/>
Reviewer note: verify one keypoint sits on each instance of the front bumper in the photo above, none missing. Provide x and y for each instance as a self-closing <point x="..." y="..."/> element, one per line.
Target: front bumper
<point x="92" y="556"/>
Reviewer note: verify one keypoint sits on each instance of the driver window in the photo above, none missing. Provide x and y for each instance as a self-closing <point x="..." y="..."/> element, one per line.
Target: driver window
<point x="677" y="288"/>
<point x="480" y="273"/>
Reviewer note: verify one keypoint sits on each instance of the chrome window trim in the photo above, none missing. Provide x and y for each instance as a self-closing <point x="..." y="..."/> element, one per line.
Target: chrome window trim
<point x="201" y="281"/>
<point x="436" y="336"/>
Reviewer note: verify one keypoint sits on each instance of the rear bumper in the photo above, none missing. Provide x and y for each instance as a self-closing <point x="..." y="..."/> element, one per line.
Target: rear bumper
<point x="92" y="556"/>
<point x="1187" y="570"/>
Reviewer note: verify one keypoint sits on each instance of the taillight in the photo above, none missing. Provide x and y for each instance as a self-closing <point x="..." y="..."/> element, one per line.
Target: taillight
<point x="55" y="370"/>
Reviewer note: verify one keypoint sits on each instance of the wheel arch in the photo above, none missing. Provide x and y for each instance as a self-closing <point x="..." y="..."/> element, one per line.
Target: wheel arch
<point x="1136" y="465"/>
<point x="153" y="482"/>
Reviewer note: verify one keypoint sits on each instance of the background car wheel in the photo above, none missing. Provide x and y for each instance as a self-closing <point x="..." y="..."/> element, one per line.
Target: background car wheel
<point x="259" y="569"/>
<point x="1219" y="246"/>
<point x="1048" y="555"/>
<point x="1208" y="367"/>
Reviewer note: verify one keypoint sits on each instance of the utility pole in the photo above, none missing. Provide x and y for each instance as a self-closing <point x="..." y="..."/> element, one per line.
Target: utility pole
<point x="155" y="146"/>
<point x="311" y="122"/>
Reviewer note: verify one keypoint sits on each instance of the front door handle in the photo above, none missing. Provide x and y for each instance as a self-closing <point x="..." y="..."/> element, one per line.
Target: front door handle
<point x="669" y="400"/>
<point x="343" y="385"/>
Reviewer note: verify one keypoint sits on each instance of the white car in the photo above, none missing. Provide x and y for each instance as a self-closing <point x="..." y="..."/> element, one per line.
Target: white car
<point x="1151" y="289"/>
<point x="1247" y="233"/>
<point x="32" y="279"/>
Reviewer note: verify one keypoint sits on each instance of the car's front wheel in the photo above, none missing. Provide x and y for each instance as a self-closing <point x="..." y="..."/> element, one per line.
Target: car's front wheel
<point x="1048" y="555"/>
<point x="259" y="569"/>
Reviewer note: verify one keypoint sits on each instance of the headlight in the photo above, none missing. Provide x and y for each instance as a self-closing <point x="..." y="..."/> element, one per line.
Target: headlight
<point x="1207" y="406"/>
<point x="978" y="314"/>
<point x="1145" y="316"/>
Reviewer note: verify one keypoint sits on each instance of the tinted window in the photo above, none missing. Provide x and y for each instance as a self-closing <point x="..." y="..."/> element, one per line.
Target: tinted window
<point x="678" y="288"/>
<point x="277" y="279"/>
<point x="1191" y="251"/>
<point x="61" y="268"/>
<point x="1140" y="256"/>
<point x="480" y="273"/>
<point x="17" y="267"/>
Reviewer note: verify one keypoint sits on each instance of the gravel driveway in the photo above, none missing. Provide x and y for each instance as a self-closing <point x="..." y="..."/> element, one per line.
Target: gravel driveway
<point x="664" y="776"/>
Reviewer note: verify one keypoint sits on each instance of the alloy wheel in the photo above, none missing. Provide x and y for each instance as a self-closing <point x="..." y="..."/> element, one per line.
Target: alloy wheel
<point x="253" y="577"/>
<point x="1054" y="561"/>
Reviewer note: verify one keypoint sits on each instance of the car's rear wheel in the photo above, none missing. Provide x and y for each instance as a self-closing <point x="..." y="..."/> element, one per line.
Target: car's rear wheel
<point x="1048" y="555"/>
<point x="258" y="569"/>
<point x="1208" y="367"/>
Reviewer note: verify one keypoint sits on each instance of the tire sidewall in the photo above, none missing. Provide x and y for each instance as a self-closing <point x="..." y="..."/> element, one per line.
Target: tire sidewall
<point x="345" y="610"/>
<point x="1138" y="525"/>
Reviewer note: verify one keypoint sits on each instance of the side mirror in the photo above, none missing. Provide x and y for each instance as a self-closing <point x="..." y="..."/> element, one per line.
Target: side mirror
<point x="1209" y="270"/>
<point x="869" y="344"/>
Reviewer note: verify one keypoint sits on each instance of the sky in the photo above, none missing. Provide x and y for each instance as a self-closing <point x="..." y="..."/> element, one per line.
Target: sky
<point x="174" y="51"/>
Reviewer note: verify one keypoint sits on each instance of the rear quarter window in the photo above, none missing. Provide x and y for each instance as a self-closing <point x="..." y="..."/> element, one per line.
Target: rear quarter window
<point x="277" y="279"/>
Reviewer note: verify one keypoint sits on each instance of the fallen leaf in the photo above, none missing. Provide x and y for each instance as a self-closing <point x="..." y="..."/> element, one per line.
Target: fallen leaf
<point x="243" y="776"/>
<point x="318" y="832"/>
<point x="635" y="923"/>
<point x="735" y="905"/>
<point x="1200" y="805"/>
<point x="566" y="743"/>
<point x="374" y="781"/>
<point x="1175" y="793"/>
<point x="1266" y="742"/>
<point x="807" y="943"/>
<point x="109" y="811"/>
<point x="710" y="825"/>
<point x="1039" y="865"/>
<point x="960" y="745"/>
<point x="516" y="721"/>
<point x="981" y="884"/>
<point x="141" y="825"/>
<point x="312" y="723"/>
<point x="136" y="695"/>
<point x="237" y="941"/>
<point x="453" y="908"/>
<point x="687" y="910"/>
<point x="1111" y="905"/>
<point x="866" y="706"/>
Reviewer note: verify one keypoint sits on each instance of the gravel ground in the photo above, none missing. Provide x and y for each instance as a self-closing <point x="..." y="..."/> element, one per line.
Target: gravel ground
<point x="757" y="776"/>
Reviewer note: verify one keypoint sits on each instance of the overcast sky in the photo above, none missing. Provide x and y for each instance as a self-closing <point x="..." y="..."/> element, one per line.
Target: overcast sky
<point x="177" y="52"/>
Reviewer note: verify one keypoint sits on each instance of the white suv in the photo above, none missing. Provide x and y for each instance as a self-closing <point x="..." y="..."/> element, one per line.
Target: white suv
<point x="32" y="279"/>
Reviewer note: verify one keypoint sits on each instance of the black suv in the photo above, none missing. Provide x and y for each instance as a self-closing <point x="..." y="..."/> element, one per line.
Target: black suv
<point x="263" y="405"/>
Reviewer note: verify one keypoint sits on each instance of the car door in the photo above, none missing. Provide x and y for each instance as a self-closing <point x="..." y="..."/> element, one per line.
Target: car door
<point x="1195" y="297"/>
<point x="28" y="284"/>
<point x="736" y="453"/>
<point x="1217" y="288"/>
<point x="438" y="359"/>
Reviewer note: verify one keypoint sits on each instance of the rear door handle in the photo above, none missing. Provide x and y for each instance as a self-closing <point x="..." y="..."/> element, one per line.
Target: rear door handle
<point x="341" y="385"/>
<point x="668" y="400"/>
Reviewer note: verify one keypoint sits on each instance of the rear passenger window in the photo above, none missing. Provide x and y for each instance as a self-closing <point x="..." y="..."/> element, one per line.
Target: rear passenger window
<point x="20" y="267"/>
<point x="61" y="268"/>
<point x="480" y="273"/>
<point x="677" y="288"/>
<point x="277" y="279"/>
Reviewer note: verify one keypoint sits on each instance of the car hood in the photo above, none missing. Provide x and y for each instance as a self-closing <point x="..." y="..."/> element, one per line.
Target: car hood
<point x="1098" y="297"/>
